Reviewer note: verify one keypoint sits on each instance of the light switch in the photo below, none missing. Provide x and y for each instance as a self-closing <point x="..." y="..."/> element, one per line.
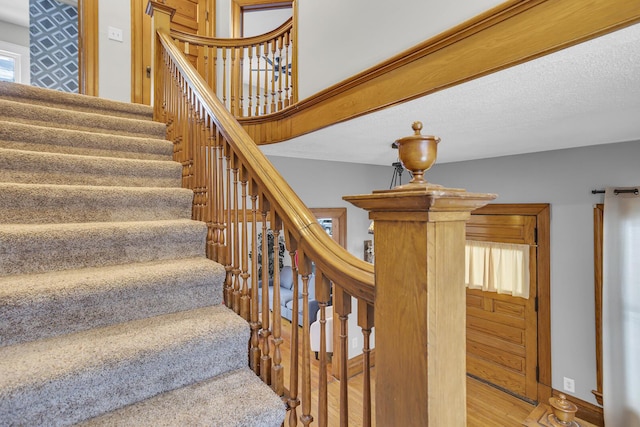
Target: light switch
<point x="115" y="34"/>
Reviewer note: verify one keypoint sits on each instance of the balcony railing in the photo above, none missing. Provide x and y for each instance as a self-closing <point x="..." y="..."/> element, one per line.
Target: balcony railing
<point x="252" y="76"/>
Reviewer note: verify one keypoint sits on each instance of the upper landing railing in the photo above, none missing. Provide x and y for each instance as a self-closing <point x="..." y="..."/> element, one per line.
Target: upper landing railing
<point x="252" y="76"/>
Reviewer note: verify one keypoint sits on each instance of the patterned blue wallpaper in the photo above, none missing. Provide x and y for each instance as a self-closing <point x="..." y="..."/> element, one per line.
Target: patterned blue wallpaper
<point x="53" y="30"/>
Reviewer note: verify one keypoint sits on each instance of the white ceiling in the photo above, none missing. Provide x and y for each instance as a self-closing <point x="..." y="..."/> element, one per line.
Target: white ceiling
<point x="584" y="95"/>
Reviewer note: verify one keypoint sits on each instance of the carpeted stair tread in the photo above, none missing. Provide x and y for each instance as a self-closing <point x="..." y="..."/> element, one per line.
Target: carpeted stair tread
<point x="80" y="203"/>
<point x="37" y="306"/>
<point x="21" y="136"/>
<point x="67" y="119"/>
<point x="37" y="248"/>
<point x="73" y="377"/>
<point x="235" y="399"/>
<point x="51" y="168"/>
<point x="92" y="104"/>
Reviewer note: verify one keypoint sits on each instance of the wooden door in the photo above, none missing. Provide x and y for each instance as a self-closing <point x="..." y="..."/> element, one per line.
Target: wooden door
<point x="192" y="16"/>
<point x="501" y="329"/>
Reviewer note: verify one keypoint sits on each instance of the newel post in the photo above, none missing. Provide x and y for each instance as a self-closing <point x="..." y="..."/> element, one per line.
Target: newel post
<point x="161" y="15"/>
<point x="420" y="303"/>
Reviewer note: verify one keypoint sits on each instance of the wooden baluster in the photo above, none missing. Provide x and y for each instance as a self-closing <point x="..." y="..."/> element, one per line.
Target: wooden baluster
<point x="265" y="49"/>
<point x="234" y="83"/>
<point x="240" y="82"/>
<point x="304" y="264"/>
<point x="365" y="320"/>
<point x="280" y="75"/>
<point x="273" y="76"/>
<point x="224" y="78"/>
<point x="287" y="43"/>
<point x="293" y="400"/>
<point x="214" y="70"/>
<point x="254" y="351"/>
<point x="236" y="237"/>
<point x="342" y="307"/>
<point x="250" y="95"/>
<point x="211" y="216"/>
<point x="277" y="370"/>
<point x="265" y="333"/>
<point x="244" y="293"/>
<point x="323" y="295"/>
<point x="228" y="229"/>
<point x="258" y="57"/>
<point x="219" y="199"/>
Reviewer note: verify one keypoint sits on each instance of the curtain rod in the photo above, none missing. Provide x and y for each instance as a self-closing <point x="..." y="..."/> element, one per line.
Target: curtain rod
<point x="618" y="191"/>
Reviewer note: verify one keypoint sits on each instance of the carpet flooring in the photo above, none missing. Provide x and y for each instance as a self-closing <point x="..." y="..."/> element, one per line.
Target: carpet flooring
<point x="110" y="312"/>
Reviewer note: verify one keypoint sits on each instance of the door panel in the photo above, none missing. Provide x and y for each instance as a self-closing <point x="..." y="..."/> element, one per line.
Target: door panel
<point x="502" y="329"/>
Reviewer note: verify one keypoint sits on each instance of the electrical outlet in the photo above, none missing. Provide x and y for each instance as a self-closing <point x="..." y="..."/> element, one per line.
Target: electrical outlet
<point x="569" y="385"/>
<point x="354" y="343"/>
<point x="115" y="34"/>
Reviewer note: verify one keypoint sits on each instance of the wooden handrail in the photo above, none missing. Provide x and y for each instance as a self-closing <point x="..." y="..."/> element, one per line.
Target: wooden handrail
<point x="235" y="189"/>
<point x="354" y="274"/>
<point x="197" y="40"/>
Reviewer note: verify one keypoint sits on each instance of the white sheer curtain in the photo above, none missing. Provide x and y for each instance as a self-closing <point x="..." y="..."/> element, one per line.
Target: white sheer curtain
<point x="621" y="309"/>
<point x="497" y="267"/>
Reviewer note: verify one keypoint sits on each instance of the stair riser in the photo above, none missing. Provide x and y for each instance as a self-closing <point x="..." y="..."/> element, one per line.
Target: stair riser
<point x="66" y="119"/>
<point x="42" y="306"/>
<point x="38" y="249"/>
<point x="36" y="168"/>
<point x="26" y="137"/>
<point x="96" y="390"/>
<point x="60" y="204"/>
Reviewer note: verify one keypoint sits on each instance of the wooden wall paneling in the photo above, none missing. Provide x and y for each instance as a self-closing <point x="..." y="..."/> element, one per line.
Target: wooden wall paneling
<point x="88" y="83"/>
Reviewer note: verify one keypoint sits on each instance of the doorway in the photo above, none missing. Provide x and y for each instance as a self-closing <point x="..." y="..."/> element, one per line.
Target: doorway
<point x="508" y="338"/>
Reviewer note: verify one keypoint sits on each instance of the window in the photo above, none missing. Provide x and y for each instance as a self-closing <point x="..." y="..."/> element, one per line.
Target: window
<point x="9" y="66"/>
<point x="14" y="63"/>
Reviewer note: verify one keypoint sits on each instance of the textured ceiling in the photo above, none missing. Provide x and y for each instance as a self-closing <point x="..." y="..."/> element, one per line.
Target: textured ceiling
<point x="584" y="95"/>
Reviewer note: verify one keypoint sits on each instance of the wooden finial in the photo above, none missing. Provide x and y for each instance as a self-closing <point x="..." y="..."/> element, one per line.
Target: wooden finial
<point x="417" y="153"/>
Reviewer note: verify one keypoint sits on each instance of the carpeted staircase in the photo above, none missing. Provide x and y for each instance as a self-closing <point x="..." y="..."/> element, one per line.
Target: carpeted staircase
<point x="110" y="314"/>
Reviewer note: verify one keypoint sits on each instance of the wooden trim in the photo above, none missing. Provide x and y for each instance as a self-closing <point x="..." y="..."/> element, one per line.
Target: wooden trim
<point x="598" y="222"/>
<point x="586" y="411"/>
<point x="507" y="35"/>
<point x="542" y="213"/>
<point x="88" y="83"/>
<point x="237" y="7"/>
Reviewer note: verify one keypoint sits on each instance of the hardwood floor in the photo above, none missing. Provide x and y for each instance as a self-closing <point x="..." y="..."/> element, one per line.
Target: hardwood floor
<point x="486" y="405"/>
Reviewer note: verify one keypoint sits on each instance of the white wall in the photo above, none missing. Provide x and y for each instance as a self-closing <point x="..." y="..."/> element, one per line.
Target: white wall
<point x="115" y="57"/>
<point x="330" y="50"/>
<point x="564" y="179"/>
